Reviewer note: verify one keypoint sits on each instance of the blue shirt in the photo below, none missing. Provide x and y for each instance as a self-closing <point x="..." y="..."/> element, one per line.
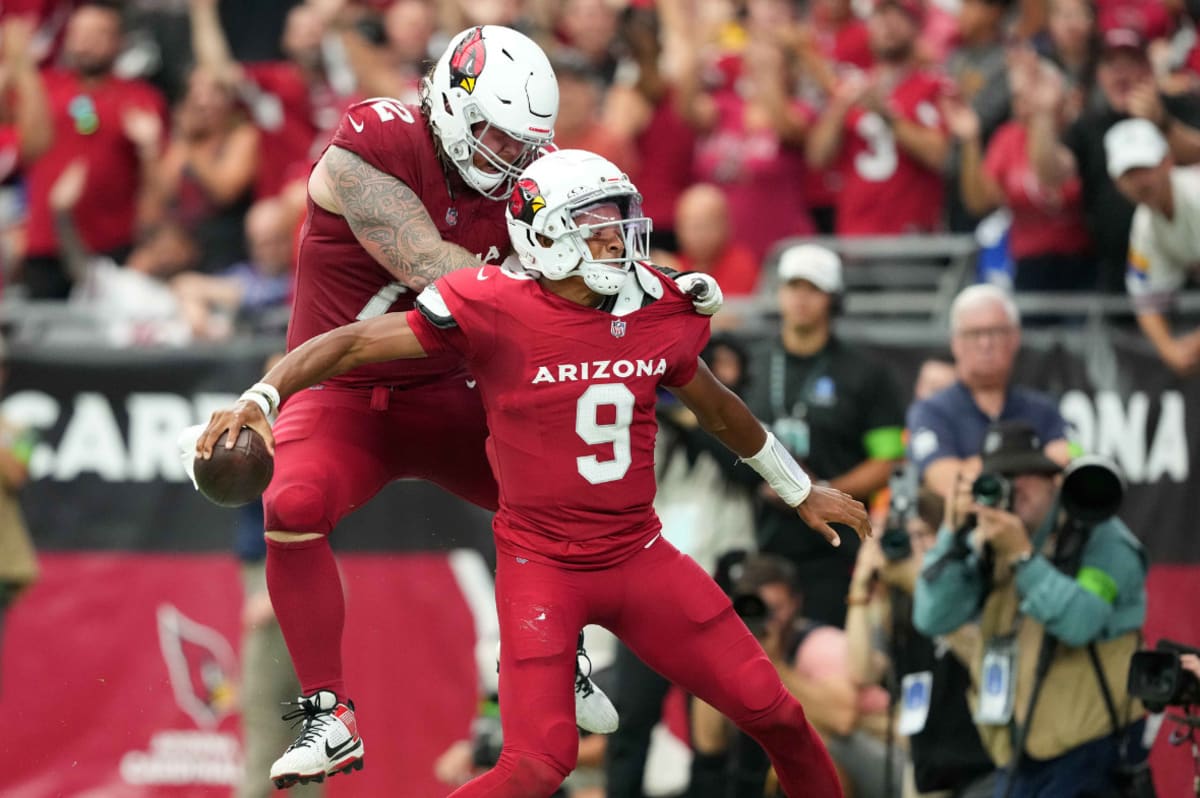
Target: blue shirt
<point x="950" y="424"/>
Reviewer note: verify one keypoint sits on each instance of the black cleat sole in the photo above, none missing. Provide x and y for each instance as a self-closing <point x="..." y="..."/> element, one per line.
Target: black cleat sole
<point x="284" y="782"/>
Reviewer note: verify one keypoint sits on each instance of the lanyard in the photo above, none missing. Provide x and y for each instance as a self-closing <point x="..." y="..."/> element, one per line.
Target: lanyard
<point x="779" y="383"/>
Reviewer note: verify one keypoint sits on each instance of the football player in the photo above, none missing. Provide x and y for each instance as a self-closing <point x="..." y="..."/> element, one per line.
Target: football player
<point x="569" y="355"/>
<point x="401" y="196"/>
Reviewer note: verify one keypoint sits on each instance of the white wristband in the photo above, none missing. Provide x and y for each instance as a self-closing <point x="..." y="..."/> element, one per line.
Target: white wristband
<point x="271" y="392"/>
<point x="263" y="403"/>
<point x="781" y="471"/>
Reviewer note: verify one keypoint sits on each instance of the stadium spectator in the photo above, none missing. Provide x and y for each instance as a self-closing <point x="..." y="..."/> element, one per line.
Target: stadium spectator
<point x="706" y="242"/>
<point x="813" y="661"/>
<point x="18" y="562"/>
<point x="130" y="301"/>
<point x="394" y="66"/>
<point x="835" y="408"/>
<point x="1163" y="242"/>
<point x="205" y="179"/>
<point x="884" y="134"/>
<point x="212" y="303"/>
<point x="946" y="430"/>
<point x="115" y="126"/>
<point x="26" y="130"/>
<point x="1128" y="89"/>
<point x="1070" y="40"/>
<point x="978" y="73"/>
<point x="1048" y="240"/>
<point x="589" y="27"/>
<point x="1059" y="603"/>
<point x="642" y="107"/>
<point x="579" y="125"/>
<point x="292" y="101"/>
<point x="751" y="130"/>
<point x="555" y="572"/>
<point x="830" y="42"/>
<point x="25" y="127"/>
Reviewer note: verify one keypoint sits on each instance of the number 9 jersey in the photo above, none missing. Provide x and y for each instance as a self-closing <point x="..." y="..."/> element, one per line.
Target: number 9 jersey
<point x="569" y="392"/>
<point x="338" y="282"/>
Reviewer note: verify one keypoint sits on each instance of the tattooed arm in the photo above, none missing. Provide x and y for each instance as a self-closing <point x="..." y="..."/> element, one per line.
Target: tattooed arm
<point x="387" y="218"/>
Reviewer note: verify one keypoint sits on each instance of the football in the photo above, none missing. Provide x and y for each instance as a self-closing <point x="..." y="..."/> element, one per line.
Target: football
<point x="237" y="476"/>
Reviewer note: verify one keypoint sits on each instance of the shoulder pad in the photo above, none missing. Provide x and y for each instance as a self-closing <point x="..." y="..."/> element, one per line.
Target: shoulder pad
<point x="433" y="307"/>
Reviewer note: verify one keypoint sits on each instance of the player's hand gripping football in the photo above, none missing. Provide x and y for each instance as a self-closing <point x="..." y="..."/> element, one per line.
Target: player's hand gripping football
<point x="242" y="414"/>
<point x="826" y="505"/>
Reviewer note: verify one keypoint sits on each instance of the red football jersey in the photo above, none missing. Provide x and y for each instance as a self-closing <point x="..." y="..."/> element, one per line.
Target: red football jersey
<point x="87" y="124"/>
<point x="10" y="151"/>
<point x="885" y="191"/>
<point x="337" y="282"/>
<point x="569" y="393"/>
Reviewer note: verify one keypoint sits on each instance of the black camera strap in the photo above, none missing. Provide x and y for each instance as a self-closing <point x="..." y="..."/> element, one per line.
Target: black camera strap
<point x="1109" y="704"/>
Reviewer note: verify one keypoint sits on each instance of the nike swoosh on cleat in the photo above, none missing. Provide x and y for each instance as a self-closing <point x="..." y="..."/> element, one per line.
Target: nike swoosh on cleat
<point x="333" y="752"/>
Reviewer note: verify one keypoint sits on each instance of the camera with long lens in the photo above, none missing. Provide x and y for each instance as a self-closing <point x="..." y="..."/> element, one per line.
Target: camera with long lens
<point x="902" y="487"/>
<point x="753" y="611"/>
<point x="1159" y="679"/>
<point x="992" y="490"/>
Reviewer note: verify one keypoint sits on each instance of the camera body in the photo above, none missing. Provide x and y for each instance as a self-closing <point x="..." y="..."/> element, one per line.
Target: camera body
<point x="1159" y="680"/>
<point x="902" y="486"/>
<point x="753" y="611"/>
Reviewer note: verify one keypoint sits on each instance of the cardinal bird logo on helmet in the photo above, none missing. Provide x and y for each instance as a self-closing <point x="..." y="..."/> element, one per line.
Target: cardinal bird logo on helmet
<point x="526" y="200"/>
<point x="467" y="61"/>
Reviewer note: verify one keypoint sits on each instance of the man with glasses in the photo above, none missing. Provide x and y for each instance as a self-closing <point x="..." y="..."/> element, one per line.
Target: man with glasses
<point x="946" y="430"/>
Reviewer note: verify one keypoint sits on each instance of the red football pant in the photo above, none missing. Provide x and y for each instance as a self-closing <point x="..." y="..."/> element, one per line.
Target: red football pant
<point x="673" y="616"/>
<point x="334" y="450"/>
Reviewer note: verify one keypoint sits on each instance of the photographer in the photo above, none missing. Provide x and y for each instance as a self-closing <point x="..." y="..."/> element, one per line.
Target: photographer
<point x="929" y="679"/>
<point x="1059" y="598"/>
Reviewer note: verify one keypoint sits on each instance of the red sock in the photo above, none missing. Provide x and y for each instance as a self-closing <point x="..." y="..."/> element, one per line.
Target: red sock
<point x="306" y="592"/>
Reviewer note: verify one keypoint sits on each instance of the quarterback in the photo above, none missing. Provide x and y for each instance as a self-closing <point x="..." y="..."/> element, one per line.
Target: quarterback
<point x="569" y="354"/>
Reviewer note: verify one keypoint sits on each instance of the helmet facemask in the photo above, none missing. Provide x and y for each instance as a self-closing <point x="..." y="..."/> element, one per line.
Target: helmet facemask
<point x="606" y="275"/>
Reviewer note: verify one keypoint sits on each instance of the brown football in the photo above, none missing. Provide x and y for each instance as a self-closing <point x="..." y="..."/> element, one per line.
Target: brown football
<point x="237" y="476"/>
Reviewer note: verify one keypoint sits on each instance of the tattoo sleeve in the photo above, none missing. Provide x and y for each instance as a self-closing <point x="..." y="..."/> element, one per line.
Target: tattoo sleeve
<point x="391" y="222"/>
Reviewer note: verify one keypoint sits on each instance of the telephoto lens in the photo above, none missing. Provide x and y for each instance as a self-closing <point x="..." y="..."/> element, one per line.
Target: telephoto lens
<point x="992" y="490"/>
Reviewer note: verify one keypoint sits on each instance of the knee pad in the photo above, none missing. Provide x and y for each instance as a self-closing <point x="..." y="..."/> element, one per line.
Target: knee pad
<point x="761" y="690"/>
<point x="532" y="777"/>
<point x="296" y="507"/>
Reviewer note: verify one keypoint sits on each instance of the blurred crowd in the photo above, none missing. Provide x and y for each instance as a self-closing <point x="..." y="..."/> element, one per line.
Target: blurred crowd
<point x="153" y="153"/>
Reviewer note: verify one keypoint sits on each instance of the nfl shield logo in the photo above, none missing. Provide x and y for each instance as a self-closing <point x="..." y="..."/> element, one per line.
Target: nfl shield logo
<point x="617" y="329"/>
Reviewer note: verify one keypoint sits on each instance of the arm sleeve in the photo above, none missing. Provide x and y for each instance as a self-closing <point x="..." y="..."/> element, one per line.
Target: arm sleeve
<point x="930" y="436"/>
<point x="943" y="604"/>
<point x="1081" y="609"/>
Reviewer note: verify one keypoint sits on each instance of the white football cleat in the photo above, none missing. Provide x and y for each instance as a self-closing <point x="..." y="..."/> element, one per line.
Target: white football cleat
<point x="328" y="743"/>
<point x="594" y="712"/>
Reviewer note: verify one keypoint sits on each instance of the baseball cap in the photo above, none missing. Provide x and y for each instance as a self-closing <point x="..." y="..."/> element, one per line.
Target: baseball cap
<point x="1115" y="39"/>
<point x="1131" y="144"/>
<point x="820" y="266"/>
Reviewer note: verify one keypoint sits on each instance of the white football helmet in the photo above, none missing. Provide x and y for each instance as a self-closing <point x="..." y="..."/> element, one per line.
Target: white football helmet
<point x="498" y="77"/>
<point x="547" y="219"/>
